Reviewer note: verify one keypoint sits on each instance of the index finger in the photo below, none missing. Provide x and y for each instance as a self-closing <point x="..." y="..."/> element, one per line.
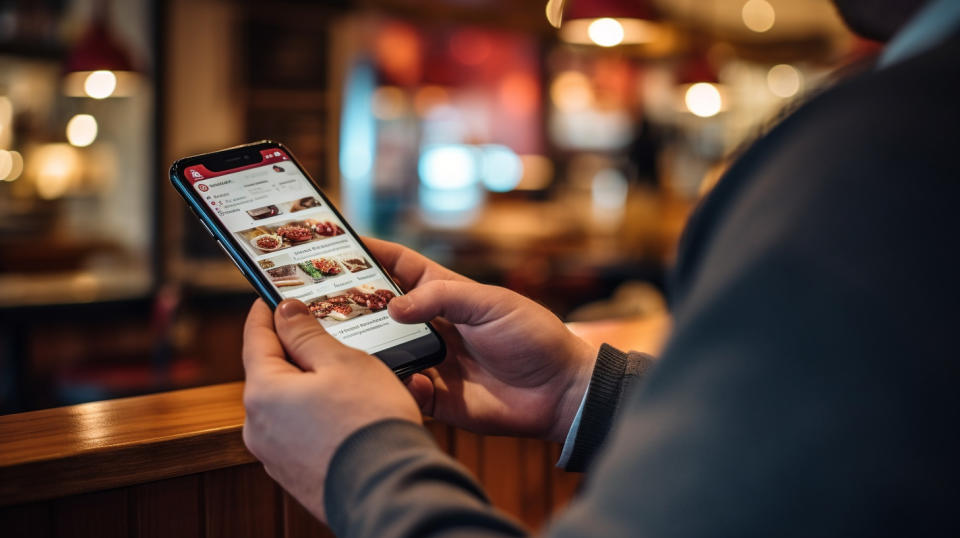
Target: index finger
<point x="410" y="268"/>
<point x="263" y="355"/>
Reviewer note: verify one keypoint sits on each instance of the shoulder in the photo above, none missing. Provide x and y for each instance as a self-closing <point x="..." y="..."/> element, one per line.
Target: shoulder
<point x="877" y="152"/>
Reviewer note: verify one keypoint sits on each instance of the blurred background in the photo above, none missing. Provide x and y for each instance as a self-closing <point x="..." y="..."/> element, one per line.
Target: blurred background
<point x="559" y="163"/>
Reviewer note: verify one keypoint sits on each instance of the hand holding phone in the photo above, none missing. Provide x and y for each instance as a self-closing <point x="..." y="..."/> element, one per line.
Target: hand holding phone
<point x="513" y="368"/>
<point x="298" y="417"/>
<point x="289" y="241"/>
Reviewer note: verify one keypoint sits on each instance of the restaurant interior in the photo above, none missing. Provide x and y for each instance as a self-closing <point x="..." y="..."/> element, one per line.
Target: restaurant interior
<point x="560" y="163"/>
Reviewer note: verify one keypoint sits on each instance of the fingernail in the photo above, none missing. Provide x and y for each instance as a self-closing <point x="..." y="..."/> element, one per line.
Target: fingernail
<point x="292" y="308"/>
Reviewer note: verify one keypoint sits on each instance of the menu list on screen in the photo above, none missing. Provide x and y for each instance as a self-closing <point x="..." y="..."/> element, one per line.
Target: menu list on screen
<point x="304" y="250"/>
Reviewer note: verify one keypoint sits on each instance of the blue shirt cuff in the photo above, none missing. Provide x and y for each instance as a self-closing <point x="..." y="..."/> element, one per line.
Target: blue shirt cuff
<point x="572" y="434"/>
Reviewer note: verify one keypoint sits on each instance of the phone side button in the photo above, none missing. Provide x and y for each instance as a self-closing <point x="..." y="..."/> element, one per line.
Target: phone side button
<point x="227" y="252"/>
<point x="202" y="223"/>
<point x="209" y="231"/>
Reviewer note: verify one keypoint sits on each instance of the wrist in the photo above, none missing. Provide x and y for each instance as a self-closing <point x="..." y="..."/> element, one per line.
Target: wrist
<point x="584" y="356"/>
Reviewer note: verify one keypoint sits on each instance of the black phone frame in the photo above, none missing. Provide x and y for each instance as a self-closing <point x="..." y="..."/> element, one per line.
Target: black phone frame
<point x="248" y="154"/>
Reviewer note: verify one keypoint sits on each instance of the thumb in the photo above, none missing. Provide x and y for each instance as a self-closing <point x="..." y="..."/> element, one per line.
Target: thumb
<point x="302" y="336"/>
<point x="421" y="388"/>
<point x="467" y="303"/>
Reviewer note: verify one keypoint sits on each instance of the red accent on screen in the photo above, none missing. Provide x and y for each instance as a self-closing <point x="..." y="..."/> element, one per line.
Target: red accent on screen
<point x="199" y="172"/>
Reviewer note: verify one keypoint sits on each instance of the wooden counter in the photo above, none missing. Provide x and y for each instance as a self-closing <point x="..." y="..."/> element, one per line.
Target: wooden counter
<point x="182" y="453"/>
<point x="115" y="443"/>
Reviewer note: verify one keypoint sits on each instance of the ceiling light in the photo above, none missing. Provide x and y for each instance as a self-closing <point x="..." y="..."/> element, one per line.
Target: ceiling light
<point x="100" y="84"/>
<point x="605" y="32"/>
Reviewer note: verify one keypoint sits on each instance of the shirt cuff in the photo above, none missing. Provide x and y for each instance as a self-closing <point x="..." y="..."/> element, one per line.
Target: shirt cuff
<point x="572" y="434"/>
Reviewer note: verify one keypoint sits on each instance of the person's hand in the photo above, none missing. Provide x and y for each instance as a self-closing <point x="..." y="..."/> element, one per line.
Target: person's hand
<point x="297" y="418"/>
<point x="512" y="367"/>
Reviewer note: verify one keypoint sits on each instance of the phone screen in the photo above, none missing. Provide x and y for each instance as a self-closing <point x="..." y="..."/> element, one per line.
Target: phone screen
<point x="303" y="249"/>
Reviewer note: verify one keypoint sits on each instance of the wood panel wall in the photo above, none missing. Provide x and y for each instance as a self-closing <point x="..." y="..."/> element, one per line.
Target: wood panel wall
<point x="243" y="501"/>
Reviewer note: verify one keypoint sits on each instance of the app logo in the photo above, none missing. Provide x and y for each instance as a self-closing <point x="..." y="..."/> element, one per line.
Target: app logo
<point x="202" y="187"/>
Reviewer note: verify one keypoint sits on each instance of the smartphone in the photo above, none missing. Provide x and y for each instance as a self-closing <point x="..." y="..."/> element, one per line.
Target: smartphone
<point x="289" y="241"/>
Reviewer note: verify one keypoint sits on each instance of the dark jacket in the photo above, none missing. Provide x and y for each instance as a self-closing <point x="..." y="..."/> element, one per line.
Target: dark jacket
<point x="810" y="385"/>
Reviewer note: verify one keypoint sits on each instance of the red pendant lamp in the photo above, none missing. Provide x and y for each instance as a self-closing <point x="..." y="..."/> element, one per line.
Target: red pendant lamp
<point x="700" y="88"/>
<point x="605" y="23"/>
<point x="98" y="66"/>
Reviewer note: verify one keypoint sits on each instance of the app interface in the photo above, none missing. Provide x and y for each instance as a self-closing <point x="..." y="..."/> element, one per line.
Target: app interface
<point x="303" y="249"/>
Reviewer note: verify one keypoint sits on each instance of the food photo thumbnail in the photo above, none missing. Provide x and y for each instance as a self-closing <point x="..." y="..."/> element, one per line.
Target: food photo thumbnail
<point x="304" y="203"/>
<point x="270" y="238"/>
<point x="351" y="303"/>
<point x="354" y="262"/>
<point x="264" y="212"/>
<point x="292" y="206"/>
<point x="284" y="272"/>
<point x="321" y="268"/>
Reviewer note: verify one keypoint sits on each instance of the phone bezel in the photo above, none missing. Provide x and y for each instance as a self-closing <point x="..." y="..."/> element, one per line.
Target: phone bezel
<point x="215" y="161"/>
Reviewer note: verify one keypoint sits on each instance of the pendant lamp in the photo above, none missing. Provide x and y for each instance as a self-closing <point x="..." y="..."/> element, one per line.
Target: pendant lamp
<point x="605" y="23"/>
<point x="700" y="88"/>
<point x="98" y="66"/>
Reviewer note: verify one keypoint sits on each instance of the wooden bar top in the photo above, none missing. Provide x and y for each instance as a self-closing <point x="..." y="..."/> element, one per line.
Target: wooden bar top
<point x="646" y="334"/>
<point x="114" y="443"/>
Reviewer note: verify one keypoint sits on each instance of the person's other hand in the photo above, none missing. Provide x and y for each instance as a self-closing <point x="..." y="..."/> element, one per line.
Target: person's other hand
<point x="296" y="418"/>
<point x="512" y="367"/>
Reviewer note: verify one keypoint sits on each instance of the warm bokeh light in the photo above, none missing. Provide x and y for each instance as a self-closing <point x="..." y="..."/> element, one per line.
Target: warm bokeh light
<point x="6" y="111"/>
<point x="571" y="90"/>
<point x="758" y="15"/>
<point x="6" y="164"/>
<point x="429" y="97"/>
<point x="703" y="99"/>
<point x="6" y="121"/>
<point x="398" y="52"/>
<point x="11" y="165"/>
<point x="389" y="103"/>
<point x="55" y="168"/>
<point x="619" y="31"/>
<point x="537" y="172"/>
<point x="100" y="84"/>
<point x="519" y="93"/>
<point x="82" y="130"/>
<point x="605" y="32"/>
<point x="784" y="80"/>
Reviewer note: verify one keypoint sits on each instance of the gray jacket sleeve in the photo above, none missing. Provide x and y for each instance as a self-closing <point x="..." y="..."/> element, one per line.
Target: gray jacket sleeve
<point x="613" y="376"/>
<point x="390" y="479"/>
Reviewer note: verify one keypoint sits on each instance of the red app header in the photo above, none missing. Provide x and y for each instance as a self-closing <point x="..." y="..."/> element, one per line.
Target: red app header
<point x="199" y="172"/>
